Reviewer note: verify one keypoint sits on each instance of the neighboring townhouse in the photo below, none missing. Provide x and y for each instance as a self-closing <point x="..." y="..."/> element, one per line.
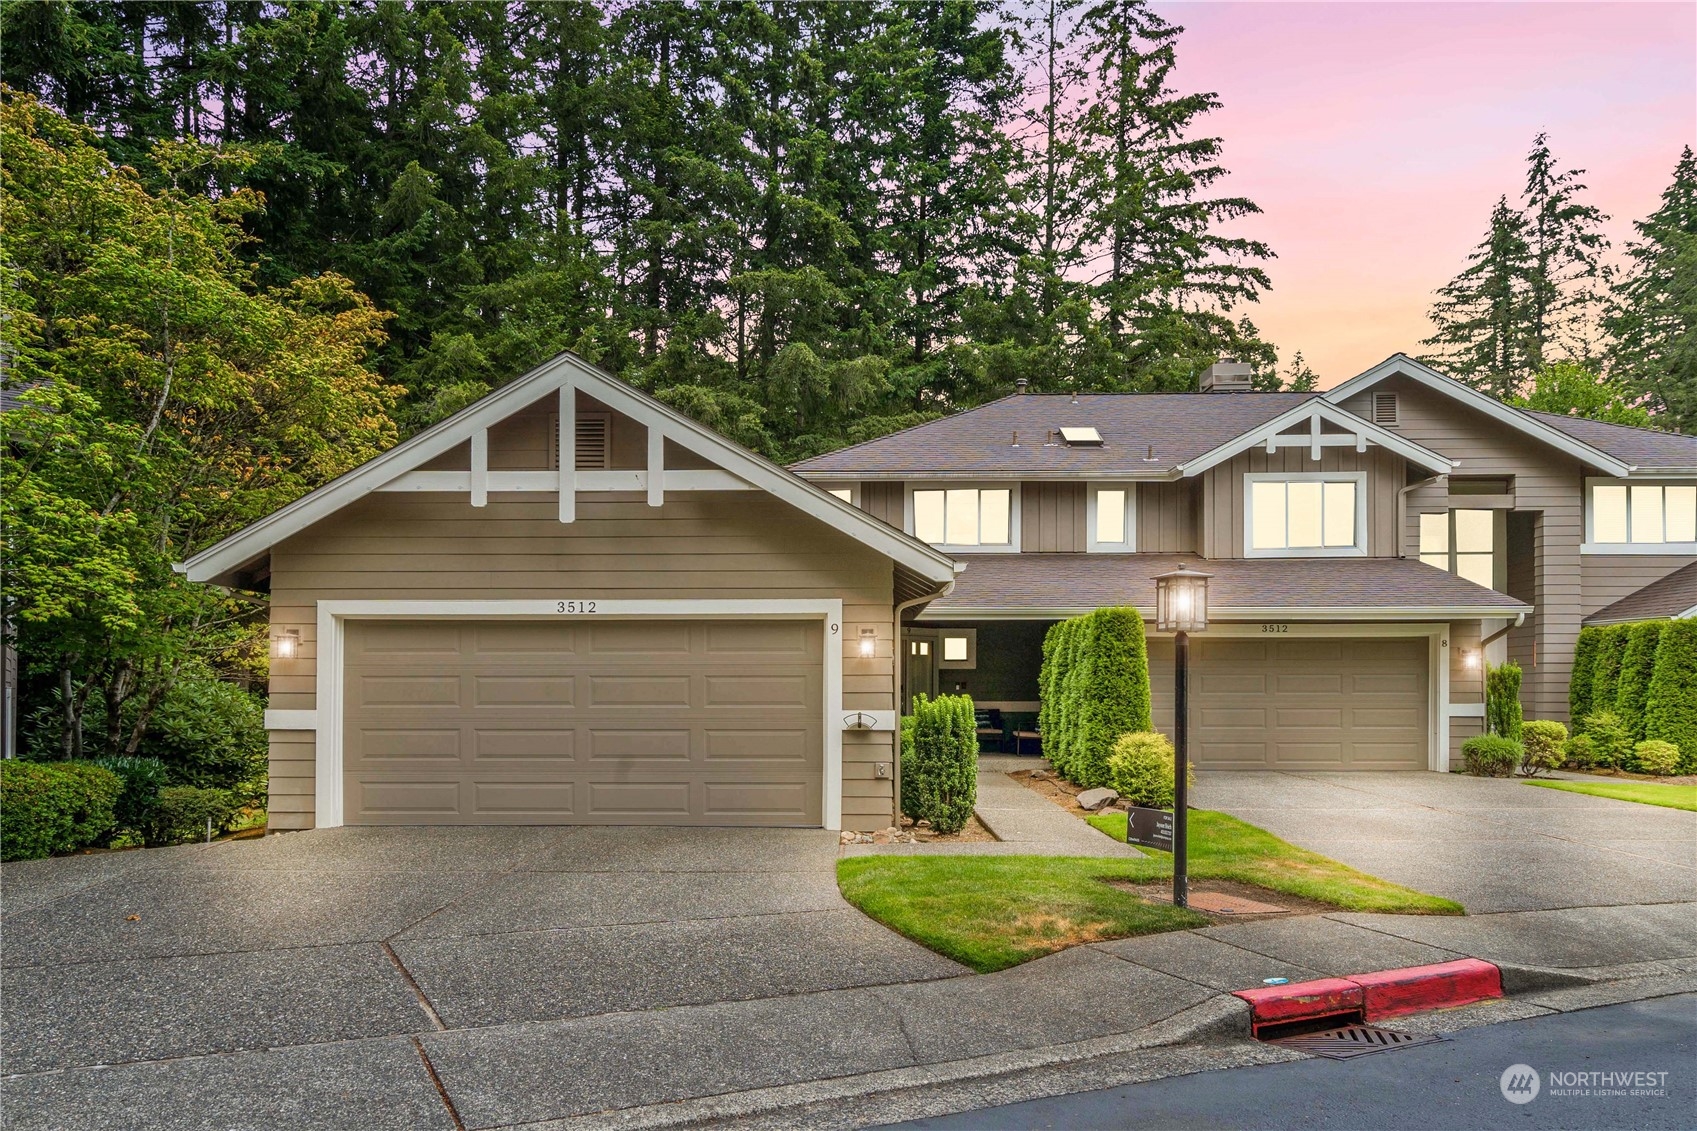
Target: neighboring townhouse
<point x="1373" y="548"/>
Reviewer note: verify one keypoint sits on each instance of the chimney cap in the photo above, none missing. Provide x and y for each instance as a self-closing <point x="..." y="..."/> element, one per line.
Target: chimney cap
<point x="1226" y="375"/>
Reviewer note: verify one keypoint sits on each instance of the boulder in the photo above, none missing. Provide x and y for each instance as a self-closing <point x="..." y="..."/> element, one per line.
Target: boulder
<point x="1094" y="799"/>
<point x="1041" y="775"/>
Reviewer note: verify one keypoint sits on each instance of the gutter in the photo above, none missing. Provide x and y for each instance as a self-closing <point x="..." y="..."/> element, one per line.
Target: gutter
<point x="896" y="695"/>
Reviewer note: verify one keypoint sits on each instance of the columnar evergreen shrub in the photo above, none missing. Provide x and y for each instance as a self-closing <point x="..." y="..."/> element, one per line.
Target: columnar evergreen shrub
<point x="940" y="774"/>
<point x="1579" y="682"/>
<point x="1653" y="756"/>
<point x="1112" y="689"/>
<point x="1046" y="678"/>
<point x="1502" y="700"/>
<point x="1544" y="742"/>
<point x="1637" y="665"/>
<point x="1670" y="706"/>
<point x="1140" y="768"/>
<point x="1610" y="743"/>
<point x="1605" y="671"/>
<point x="49" y="807"/>
<point x="1059" y="746"/>
<point x="1491" y="755"/>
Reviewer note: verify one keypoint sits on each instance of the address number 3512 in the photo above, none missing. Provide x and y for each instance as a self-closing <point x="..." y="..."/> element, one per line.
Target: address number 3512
<point x="574" y="606"/>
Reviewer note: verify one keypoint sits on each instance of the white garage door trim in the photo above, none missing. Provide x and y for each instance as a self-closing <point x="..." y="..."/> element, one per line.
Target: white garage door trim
<point x="333" y="616"/>
<point x="1438" y="709"/>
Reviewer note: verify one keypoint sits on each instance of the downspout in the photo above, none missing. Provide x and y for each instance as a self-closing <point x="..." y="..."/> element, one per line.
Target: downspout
<point x="1402" y="509"/>
<point x="1502" y="632"/>
<point x="896" y="700"/>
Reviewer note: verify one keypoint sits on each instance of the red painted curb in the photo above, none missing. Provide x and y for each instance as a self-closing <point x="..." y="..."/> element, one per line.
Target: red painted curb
<point x="1372" y="997"/>
<point x="1393" y="993"/>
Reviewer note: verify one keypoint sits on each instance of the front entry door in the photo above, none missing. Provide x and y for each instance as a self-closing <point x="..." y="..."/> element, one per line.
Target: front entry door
<point x="919" y="665"/>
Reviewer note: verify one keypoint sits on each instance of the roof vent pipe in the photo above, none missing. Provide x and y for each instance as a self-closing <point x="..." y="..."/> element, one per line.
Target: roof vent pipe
<point x="1020" y="385"/>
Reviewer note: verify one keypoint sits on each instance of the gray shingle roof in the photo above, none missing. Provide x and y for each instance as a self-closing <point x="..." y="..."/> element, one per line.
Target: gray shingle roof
<point x="1641" y="447"/>
<point x="1668" y="597"/>
<point x="1178" y="426"/>
<point x="1080" y="582"/>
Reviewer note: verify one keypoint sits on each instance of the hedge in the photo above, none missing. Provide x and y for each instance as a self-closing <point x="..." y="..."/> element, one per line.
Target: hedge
<point x="1670" y="705"/>
<point x="1093" y="687"/>
<point x="1605" y="673"/>
<point x="940" y="771"/>
<point x="1637" y="664"/>
<point x="1502" y="700"/>
<point x="50" y="807"/>
<point x="1579" y="682"/>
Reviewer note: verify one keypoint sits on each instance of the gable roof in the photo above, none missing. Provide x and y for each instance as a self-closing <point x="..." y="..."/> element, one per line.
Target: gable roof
<point x="1674" y="596"/>
<point x="565" y="370"/>
<point x="1529" y="423"/>
<point x="1144" y="436"/>
<point x="1645" y="449"/>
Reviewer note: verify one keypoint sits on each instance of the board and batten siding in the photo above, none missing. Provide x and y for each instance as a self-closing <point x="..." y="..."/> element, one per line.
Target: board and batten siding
<point x="884" y="501"/>
<point x="1052" y="518"/>
<point x="699" y="545"/>
<point x="1546" y="483"/>
<point x="1167" y="517"/>
<point x="1225" y="499"/>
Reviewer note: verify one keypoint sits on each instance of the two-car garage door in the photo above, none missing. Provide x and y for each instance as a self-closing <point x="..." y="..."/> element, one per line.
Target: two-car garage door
<point x="1310" y="703"/>
<point x="676" y="722"/>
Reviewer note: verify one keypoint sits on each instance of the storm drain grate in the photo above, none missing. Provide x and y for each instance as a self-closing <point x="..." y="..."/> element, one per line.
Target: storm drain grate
<point x="1351" y="1040"/>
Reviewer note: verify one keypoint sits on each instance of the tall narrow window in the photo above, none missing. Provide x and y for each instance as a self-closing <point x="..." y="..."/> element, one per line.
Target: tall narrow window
<point x="1112" y="517"/>
<point x="1463" y="542"/>
<point x="1318" y="514"/>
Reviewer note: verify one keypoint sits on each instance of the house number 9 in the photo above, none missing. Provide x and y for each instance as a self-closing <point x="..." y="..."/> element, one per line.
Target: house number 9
<point x="574" y="607"/>
<point x="1275" y="628"/>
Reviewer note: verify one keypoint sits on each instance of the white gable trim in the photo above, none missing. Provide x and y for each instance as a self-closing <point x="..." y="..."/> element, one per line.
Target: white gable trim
<point x="1473" y="398"/>
<point x="1313" y="413"/>
<point x="567" y="371"/>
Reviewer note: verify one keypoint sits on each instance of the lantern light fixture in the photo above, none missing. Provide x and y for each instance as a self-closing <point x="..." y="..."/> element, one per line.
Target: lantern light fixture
<point x="1181" y="600"/>
<point x="286" y="645"/>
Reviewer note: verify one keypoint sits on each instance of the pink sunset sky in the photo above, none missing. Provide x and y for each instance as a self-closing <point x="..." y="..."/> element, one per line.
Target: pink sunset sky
<point x="1376" y="137"/>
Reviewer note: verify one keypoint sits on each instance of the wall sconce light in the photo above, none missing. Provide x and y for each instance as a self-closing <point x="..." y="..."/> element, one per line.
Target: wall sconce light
<point x="1470" y="659"/>
<point x="868" y="643"/>
<point x="286" y="645"/>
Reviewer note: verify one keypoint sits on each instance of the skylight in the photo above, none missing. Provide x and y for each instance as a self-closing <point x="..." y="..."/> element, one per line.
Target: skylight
<point x="1080" y="437"/>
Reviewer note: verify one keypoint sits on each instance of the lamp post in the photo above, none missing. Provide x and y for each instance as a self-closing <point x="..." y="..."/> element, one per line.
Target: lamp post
<point x="1181" y="607"/>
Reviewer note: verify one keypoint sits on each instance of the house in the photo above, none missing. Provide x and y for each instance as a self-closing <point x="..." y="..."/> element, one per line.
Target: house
<point x="570" y="604"/>
<point x="1373" y="548"/>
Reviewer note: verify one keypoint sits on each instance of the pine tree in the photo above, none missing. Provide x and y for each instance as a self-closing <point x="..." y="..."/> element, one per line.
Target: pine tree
<point x="1652" y="316"/>
<point x="1565" y="240"/>
<point x="1483" y="315"/>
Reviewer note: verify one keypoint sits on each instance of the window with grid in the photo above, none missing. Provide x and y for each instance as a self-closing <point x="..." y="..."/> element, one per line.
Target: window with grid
<point x="1304" y="515"/>
<point x="1462" y="542"/>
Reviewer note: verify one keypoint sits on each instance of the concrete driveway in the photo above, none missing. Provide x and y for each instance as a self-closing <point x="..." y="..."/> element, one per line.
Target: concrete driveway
<point x="1491" y="844"/>
<point x="347" y="975"/>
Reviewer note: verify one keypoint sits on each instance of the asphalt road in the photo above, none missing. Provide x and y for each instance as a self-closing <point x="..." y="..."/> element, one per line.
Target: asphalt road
<point x="1454" y="1085"/>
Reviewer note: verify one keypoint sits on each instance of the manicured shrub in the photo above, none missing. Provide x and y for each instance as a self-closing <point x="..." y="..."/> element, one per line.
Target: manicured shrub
<point x="1653" y="756"/>
<point x="1544" y="742"/>
<point x="1502" y="700"/>
<point x="184" y="813"/>
<point x="1580" y="751"/>
<point x="1605" y="673"/>
<point x="137" y="808"/>
<point x="1579" y="682"/>
<point x="1112" y="690"/>
<point x="1637" y="665"/>
<point x="210" y="733"/>
<point x="1610" y="743"/>
<point x="1670" y="707"/>
<point x="1491" y="755"/>
<point x="49" y="807"/>
<point x="1141" y="769"/>
<point x="940" y="774"/>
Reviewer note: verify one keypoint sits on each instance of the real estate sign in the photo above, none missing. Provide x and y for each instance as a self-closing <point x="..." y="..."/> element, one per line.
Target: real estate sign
<point x="1151" y="828"/>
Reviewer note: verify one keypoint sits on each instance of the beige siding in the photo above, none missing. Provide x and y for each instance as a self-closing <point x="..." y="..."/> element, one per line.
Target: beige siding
<point x="1052" y="518"/>
<point x="292" y="783"/>
<point x="1606" y="578"/>
<point x="884" y="501"/>
<point x="1224" y="498"/>
<point x="1467" y="684"/>
<point x="740" y="545"/>
<point x="1547" y="483"/>
<point x="1167" y="517"/>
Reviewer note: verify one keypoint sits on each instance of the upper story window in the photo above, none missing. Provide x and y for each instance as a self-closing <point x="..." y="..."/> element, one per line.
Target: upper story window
<point x="1305" y="514"/>
<point x="1463" y="542"/>
<point x="1641" y="517"/>
<point x="1112" y="517"/>
<point x="965" y="518"/>
<point x="846" y="494"/>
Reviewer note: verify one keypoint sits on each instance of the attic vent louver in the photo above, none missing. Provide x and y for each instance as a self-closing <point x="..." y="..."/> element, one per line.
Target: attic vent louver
<point x="1384" y="408"/>
<point x="1081" y="437"/>
<point x="593" y="429"/>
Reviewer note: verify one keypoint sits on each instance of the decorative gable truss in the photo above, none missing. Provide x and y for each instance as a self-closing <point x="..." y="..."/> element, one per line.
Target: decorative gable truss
<point x="1316" y="425"/>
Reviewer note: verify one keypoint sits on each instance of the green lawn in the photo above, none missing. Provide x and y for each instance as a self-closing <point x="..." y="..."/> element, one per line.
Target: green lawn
<point x="1643" y="792"/>
<point x="992" y="912"/>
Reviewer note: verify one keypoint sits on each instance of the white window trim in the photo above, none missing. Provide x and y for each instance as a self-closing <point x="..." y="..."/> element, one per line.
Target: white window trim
<point x="1590" y="546"/>
<point x="971" y="661"/>
<point x="1014" y="506"/>
<point x="853" y="490"/>
<point x="1129" y="546"/>
<point x="1359" y="478"/>
<point x="333" y="616"/>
